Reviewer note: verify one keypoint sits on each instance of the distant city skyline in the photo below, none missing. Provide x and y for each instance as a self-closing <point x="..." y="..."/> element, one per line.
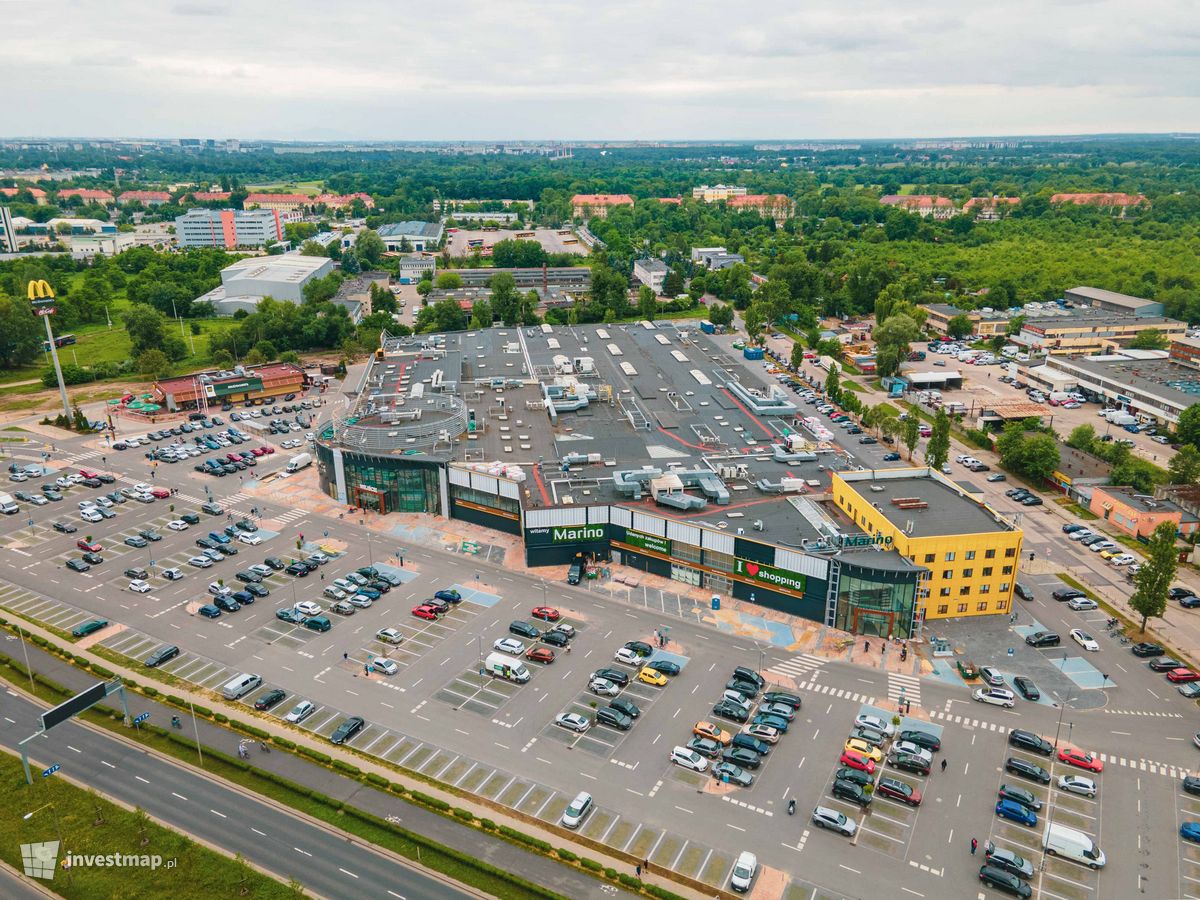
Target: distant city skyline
<point x="666" y="70"/>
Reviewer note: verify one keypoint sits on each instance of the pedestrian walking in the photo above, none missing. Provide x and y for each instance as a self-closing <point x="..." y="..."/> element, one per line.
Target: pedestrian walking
<point x="646" y="864"/>
<point x="974" y="846"/>
<point x="345" y="656"/>
<point x="638" y="869"/>
<point x="943" y="766"/>
<point x="867" y="646"/>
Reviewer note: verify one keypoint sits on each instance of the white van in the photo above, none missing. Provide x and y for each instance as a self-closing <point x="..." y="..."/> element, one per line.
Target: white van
<point x="240" y="686"/>
<point x="1059" y="840"/>
<point x="579" y="807"/>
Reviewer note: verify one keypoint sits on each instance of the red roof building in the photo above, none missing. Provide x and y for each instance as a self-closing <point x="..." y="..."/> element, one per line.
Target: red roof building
<point x="253" y="382"/>
<point x="777" y="206"/>
<point x="281" y="202"/>
<point x="211" y="196"/>
<point x="1122" y="201"/>
<point x="342" y="201"/>
<point x="148" y="198"/>
<point x="989" y="208"/>
<point x="674" y="201"/>
<point x="39" y="196"/>
<point x="921" y="204"/>
<point x="87" y="195"/>
<point x="598" y="204"/>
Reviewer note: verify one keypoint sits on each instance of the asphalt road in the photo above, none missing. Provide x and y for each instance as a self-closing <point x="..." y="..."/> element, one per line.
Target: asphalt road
<point x="290" y="847"/>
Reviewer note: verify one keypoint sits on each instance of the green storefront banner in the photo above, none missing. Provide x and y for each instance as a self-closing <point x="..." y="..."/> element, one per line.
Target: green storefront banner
<point x="769" y="574"/>
<point x="580" y="533"/>
<point x="244" y="386"/>
<point x="650" y="542"/>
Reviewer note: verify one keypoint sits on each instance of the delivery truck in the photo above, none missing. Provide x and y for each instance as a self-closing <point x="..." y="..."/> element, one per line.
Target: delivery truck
<point x="298" y="462"/>
<point x="1059" y="840"/>
<point x="503" y="666"/>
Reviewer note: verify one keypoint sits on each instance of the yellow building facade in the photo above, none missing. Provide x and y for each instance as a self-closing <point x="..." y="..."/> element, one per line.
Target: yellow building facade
<point x="971" y="571"/>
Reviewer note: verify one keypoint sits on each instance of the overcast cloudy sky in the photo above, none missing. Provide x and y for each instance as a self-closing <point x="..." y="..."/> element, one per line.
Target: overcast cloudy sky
<point x="655" y="69"/>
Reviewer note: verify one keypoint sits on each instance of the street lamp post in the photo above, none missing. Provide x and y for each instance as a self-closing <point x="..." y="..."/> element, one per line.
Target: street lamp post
<point x="1050" y="814"/>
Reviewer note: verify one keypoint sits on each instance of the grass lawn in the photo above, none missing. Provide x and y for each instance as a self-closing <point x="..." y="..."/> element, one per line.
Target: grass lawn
<point x="312" y="188"/>
<point x="855" y="387"/>
<point x="198" y="871"/>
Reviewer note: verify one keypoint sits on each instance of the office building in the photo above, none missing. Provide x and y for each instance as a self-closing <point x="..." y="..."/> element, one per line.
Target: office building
<point x="411" y="237"/>
<point x="651" y="272"/>
<point x="146" y="198"/>
<point x="246" y="282"/>
<point x="1139" y="514"/>
<point x="717" y="192"/>
<point x="231" y="228"/>
<point x="280" y="202"/>
<point x="585" y="206"/>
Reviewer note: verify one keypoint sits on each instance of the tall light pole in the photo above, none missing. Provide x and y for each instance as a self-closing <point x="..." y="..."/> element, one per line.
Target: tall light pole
<point x="41" y="295"/>
<point x="1050" y="812"/>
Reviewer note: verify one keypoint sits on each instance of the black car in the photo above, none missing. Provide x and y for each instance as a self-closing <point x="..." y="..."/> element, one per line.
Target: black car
<point x="212" y="509"/>
<point x="248" y="577"/>
<point x="136" y="572"/>
<point x="524" y="629"/>
<point x="191" y="518"/>
<point x="1178" y="593"/>
<point x="162" y="655"/>
<point x="1027" y="740"/>
<point x="298" y="569"/>
<point x="855" y="775"/>
<point x="247" y="526"/>
<point x="741" y="673"/>
<point x="729" y="710"/>
<point x="1191" y="785"/>
<point x="152" y="536"/>
<point x="626" y="706"/>
<point x="909" y="762"/>
<point x="607" y="715"/>
<point x="270" y="698"/>
<point x="93" y="558"/>
<point x="347" y="730"/>
<point x="613" y="675"/>
<point x="1025" y="769"/>
<point x="747" y="688"/>
<point x="227" y="604"/>
<point x="310" y="564"/>
<point x="1028" y="689"/>
<point x="256" y="590"/>
<point x="274" y="562"/>
<point x="65" y="528"/>
<point x="1147" y="650"/>
<point x="554" y="638"/>
<point x="206" y="543"/>
<point x="380" y="585"/>
<point x="245" y="598"/>
<point x="848" y="790"/>
<point x="1019" y="795"/>
<point x="77" y="565"/>
<point x="1062" y="595"/>
<point x="1164" y="664"/>
<point x="922" y="739"/>
<point x="1022" y="591"/>
<point x="641" y="648"/>
<point x="740" y="756"/>
<point x="1043" y="639"/>
<point x="665" y="666"/>
<point x="995" y="877"/>
<point x="782" y="697"/>
<point x="227" y="549"/>
<point x="106" y="479"/>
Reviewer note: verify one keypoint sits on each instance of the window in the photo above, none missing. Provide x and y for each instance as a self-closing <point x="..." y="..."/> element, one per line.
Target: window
<point x="962" y="607"/>
<point x="1001" y="606"/>
<point x="685" y="552"/>
<point x="1007" y="570"/>
<point x="1010" y="552"/>
<point x="987" y="571"/>
<point x="715" y="560"/>
<point x="943" y="609"/>
<point x="929" y="557"/>
<point x="989" y="554"/>
<point x="970" y="554"/>
<point x="967" y="573"/>
<point x="964" y="591"/>
<point x="981" y="606"/>
<point x="947" y="574"/>
<point x="1004" y="588"/>
<point x="944" y="592"/>
<point x="985" y="588"/>
<point x="950" y="556"/>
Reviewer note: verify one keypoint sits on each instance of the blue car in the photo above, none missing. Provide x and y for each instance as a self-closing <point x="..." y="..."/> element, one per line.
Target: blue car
<point x="209" y="611"/>
<point x="891" y="457"/>
<point x="1010" y="809"/>
<point x="1190" y="831"/>
<point x="1190" y="602"/>
<point x="450" y="595"/>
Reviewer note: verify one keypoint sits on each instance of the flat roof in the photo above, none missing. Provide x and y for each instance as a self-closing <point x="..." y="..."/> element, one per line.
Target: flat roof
<point x="411" y="229"/>
<point x="265" y="372"/>
<point x="1145" y="502"/>
<point x="948" y="509"/>
<point x="286" y="266"/>
<point x="1176" y="384"/>
<point x="1101" y="295"/>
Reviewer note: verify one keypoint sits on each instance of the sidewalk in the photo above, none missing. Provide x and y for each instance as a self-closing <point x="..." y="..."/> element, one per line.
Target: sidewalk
<point x="532" y="866"/>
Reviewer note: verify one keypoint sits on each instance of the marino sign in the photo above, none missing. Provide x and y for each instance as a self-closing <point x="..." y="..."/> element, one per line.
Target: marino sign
<point x="582" y="533"/>
<point x="864" y="540"/>
<point x="769" y="574"/>
<point x="650" y="542"/>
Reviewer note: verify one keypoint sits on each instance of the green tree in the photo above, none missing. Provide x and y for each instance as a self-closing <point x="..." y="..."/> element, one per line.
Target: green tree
<point x="505" y="299"/>
<point x="1082" y="437"/>
<point x="937" y="451"/>
<point x="451" y="280"/>
<point x="267" y="350"/>
<point x="481" y="314"/>
<point x="1188" y="429"/>
<point x="20" y="341"/>
<point x="797" y="357"/>
<point x="892" y="343"/>
<point x="647" y="303"/>
<point x="445" y="315"/>
<point x="350" y="263"/>
<point x="382" y="300"/>
<point x="755" y="317"/>
<point x="1040" y="456"/>
<point x="146" y="328"/>
<point x="673" y="284"/>
<point x="369" y="248"/>
<point x="312" y="248"/>
<point x="911" y="434"/>
<point x="513" y="254"/>
<point x="1154" y="579"/>
<point x="153" y="363"/>
<point x="222" y="359"/>
<point x="720" y="314"/>
<point x="1150" y="339"/>
<point x="1184" y="467"/>
<point x="833" y="384"/>
<point x="1140" y="474"/>
<point x="424" y="287"/>
<point x="960" y="326"/>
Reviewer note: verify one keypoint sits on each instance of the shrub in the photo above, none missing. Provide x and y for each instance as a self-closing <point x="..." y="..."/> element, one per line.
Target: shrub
<point x="175" y="701"/>
<point x="432" y="802"/>
<point x="590" y="864"/>
<point x="376" y="779"/>
<point x="284" y="743"/>
<point x="465" y="814"/>
<point x="315" y="754"/>
<point x="348" y="768"/>
<point x="222" y="718"/>
<point x="101" y="671"/>
<point x="203" y="711"/>
<point x="629" y="881"/>
<point x="488" y="824"/>
<point x="566" y="855"/>
<point x="610" y="873"/>
<point x="150" y="691"/>
<point x="655" y="891"/>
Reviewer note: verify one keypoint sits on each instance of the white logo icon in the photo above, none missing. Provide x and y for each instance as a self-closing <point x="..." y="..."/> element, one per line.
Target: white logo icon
<point x="39" y="859"/>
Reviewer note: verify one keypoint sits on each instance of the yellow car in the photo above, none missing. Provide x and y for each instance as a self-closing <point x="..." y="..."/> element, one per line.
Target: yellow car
<point x="713" y="732"/>
<point x="862" y="747"/>
<point x="650" y="676"/>
<point x="1109" y="554"/>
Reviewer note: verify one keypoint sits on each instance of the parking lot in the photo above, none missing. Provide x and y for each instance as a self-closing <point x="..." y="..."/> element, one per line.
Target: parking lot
<point x="551" y="240"/>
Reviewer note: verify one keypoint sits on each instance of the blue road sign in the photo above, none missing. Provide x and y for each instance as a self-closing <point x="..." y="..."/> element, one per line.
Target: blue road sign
<point x="142" y="718"/>
<point x="50" y="771"/>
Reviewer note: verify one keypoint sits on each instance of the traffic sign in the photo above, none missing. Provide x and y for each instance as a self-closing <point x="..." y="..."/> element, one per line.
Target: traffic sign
<point x="46" y="773"/>
<point x="142" y="718"/>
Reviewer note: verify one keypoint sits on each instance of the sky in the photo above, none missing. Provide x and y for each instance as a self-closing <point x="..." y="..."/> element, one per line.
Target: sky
<point x="602" y="69"/>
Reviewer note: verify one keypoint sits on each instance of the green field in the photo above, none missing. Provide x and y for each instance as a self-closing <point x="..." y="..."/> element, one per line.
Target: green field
<point x="312" y="188"/>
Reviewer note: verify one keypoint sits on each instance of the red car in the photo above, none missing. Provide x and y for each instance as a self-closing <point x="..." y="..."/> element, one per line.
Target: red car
<point x="233" y="457"/>
<point x="88" y="473"/>
<point x="540" y="654"/>
<point x="425" y="612"/>
<point x="90" y="548"/>
<point x="1179" y="676"/>
<point x="257" y="451"/>
<point x="898" y="790"/>
<point x="268" y="449"/>
<point x="160" y="493"/>
<point x="1080" y="760"/>
<point x="857" y="761"/>
<point x="549" y="613"/>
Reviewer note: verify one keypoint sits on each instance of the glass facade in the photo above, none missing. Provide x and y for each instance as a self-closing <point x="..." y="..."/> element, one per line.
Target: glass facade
<point x="870" y="604"/>
<point x="382" y="483"/>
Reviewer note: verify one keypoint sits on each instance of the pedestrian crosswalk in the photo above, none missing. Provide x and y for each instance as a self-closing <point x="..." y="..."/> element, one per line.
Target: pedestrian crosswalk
<point x="290" y="516"/>
<point x="797" y="667"/>
<point x="840" y="693"/>
<point x="80" y="456"/>
<point x="1142" y="712"/>
<point x="904" y="687"/>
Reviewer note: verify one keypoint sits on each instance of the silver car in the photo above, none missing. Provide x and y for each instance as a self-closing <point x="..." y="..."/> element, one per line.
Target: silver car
<point x="832" y="820"/>
<point x="300" y="712"/>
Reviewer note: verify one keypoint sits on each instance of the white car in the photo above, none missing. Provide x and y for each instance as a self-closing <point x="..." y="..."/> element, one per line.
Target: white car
<point x="261" y="569"/>
<point x="689" y="759"/>
<point x="389" y="636"/>
<point x="913" y="750"/>
<point x="172" y="574"/>
<point x="142" y="488"/>
<point x="178" y="525"/>
<point x="252" y="539"/>
<point x="509" y="645"/>
<point x="308" y="608"/>
<point x="362" y="601"/>
<point x="1077" y="784"/>
<point x="1101" y="545"/>
<point x="91" y="515"/>
<point x="995" y="696"/>
<point x="1123" y="559"/>
<point x="18" y="477"/>
<point x="1084" y="640"/>
<point x="744" y="871"/>
<point x="38" y="500"/>
<point x="141" y="587"/>
<point x="218" y="590"/>
<point x="300" y="712"/>
<point x="87" y="504"/>
<point x="200" y="562"/>
<point x="1082" y="603"/>
<point x="572" y="722"/>
<point x="603" y="687"/>
<point x="866" y="720"/>
<point x="568" y="630"/>
<point x="104" y="501"/>
<point x="386" y="666"/>
<point x="1079" y="535"/>
<point x="318" y="557"/>
<point x="627" y="656"/>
